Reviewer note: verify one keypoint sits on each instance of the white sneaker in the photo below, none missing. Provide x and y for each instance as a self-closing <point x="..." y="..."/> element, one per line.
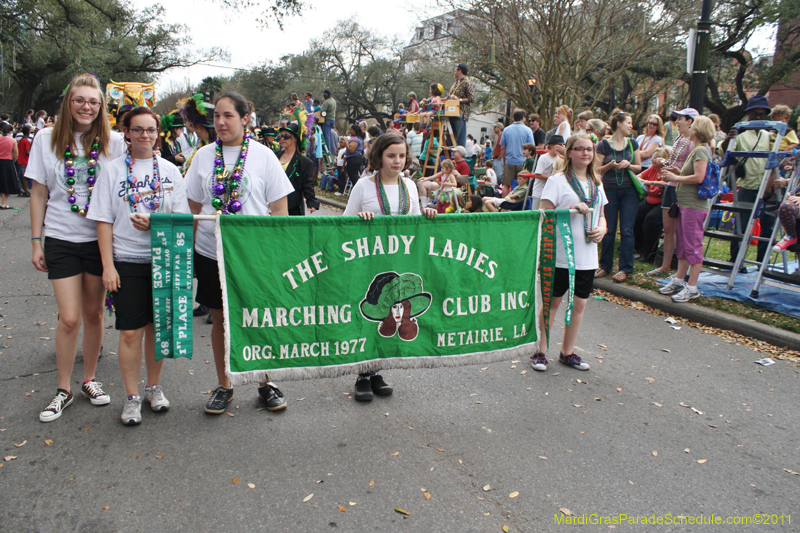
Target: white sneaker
<point x="685" y="295"/>
<point x="674" y="285"/>
<point x="155" y="397"/>
<point x="132" y="413"/>
<point x="337" y="193"/>
<point x="55" y="407"/>
<point x="93" y="390"/>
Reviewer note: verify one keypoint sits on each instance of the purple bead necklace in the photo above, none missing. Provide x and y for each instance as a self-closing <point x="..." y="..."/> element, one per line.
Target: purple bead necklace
<point x="226" y="185"/>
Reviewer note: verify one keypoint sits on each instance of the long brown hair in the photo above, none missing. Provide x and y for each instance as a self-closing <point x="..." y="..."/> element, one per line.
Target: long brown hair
<point x="408" y="326"/>
<point x="63" y="130"/>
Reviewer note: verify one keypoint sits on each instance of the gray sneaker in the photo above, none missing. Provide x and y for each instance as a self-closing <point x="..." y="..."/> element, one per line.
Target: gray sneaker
<point x="674" y="285"/>
<point x="155" y="397"/>
<point x="132" y="413"/>
<point x="685" y="295"/>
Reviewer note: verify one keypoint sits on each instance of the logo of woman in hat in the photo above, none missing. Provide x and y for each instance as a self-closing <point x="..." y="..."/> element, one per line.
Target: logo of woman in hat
<point x="395" y="300"/>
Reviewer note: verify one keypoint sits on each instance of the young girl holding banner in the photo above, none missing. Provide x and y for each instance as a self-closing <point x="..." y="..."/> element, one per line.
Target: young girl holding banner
<point x="577" y="187"/>
<point x="127" y="190"/>
<point x="212" y="184"/>
<point x="64" y="163"/>
<point x="384" y="193"/>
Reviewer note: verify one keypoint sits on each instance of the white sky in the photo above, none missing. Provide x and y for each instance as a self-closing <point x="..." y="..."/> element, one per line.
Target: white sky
<point x="250" y="44"/>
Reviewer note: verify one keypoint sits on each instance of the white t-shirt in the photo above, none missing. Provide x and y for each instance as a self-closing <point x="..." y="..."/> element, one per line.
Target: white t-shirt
<point x="40" y="123"/>
<point x="340" y="157"/>
<point x="647" y="163"/>
<point x="565" y="129"/>
<point x="264" y="182"/>
<point x="364" y="197"/>
<point x="253" y="120"/>
<point x="544" y="166"/>
<point x="559" y="192"/>
<point x="491" y="176"/>
<point x="110" y="203"/>
<point x="47" y="168"/>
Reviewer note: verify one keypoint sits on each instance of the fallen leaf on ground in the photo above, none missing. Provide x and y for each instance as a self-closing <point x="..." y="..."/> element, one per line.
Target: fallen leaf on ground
<point x="702" y="461"/>
<point x="619" y="389"/>
<point x="21" y="444"/>
<point x="300" y="399"/>
<point x="427" y="495"/>
<point x="485" y="368"/>
<point x="524" y="372"/>
<point x="513" y="495"/>
<point x="402" y="511"/>
<point x="371" y="482"/>
<point x="565" y="511"/>
<point x="235" y="481"/>
<point x="651" y="380"/>
<point x="159" y="456"/>
<point x="342" y="508"/>
<point x="439" y="450"/>
<point x="308" y="497"/>
<point x="106" y="508"/>
<point x="8" y="458"/>
<point x="513" y="366"/>
<point x="351" y="503"/>
<point x="487" y="488"/>
<point x="251" y="485"/>
<point x="48" y="442"/>
<point x="657" y="404"/>
<point x="687" y="450"/>
<point x="230" y="414"/>
<point x="576" y="405"/>
<point x="542" y="457"/>
<point x="481" y="499"/>
<point x="395" y="454"/>
<point x="27" y="394"/>
<point x="505" y="528"/>
<point x="655" y="453"/>
<point x="791" y="472"/>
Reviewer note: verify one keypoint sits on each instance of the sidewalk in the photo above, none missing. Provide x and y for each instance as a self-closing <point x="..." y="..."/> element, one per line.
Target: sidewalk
<point x="704" y="315"/>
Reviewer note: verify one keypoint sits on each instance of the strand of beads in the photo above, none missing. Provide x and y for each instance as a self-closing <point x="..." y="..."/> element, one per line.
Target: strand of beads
<point x="225" y="187"/>
<point x="132" y="193"/>
<point x="91" y="179"/>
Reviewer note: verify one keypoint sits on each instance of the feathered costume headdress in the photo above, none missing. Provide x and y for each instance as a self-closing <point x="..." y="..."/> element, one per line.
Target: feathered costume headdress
<point x="196" y="111"/>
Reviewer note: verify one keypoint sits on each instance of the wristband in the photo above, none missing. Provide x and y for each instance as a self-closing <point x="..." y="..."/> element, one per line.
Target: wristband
<point x="36" y="239"/>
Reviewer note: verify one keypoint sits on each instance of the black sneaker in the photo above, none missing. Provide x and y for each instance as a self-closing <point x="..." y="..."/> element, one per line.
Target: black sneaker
<point x="201" y="310"/>
<point x="379" y="386"/>
<point x="209" y="318"/>
<point x="272" y="397"/>
<point x="220" y="398"/>
<point x="363" y="389"/>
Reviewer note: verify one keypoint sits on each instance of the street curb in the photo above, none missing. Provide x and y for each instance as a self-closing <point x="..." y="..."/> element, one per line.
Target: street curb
<point x="332" y="203"/>
<point x="703" y="315"/>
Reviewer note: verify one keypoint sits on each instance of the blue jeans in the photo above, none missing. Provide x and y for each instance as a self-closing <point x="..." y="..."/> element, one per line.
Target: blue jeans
<point x="459" y="130"/>
<point x="327" y="181"/>
<point x="327" y="126"/>
<point x="767" y="224"/>
<point x="625" y="204"/>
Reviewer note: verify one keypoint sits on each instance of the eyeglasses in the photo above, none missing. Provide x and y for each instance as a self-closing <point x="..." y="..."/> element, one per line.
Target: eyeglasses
<point x="139" y="131"/>
<point x="583" y="149"/>
<point x="284" y="137"/>
<point x="653" y="124"/>
<point x="80" y="102"/>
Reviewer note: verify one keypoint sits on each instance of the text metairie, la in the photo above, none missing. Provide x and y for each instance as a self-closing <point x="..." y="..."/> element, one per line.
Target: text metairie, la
<point x="390" y="245"/>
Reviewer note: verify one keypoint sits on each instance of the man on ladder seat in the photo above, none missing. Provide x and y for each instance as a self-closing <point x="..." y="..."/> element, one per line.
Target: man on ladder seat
<point x="751" y="172"/>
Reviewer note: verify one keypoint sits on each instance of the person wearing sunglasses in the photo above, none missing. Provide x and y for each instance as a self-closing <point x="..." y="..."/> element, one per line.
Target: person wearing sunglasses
<point x="651" y="140"/>
<point x="64" y="164"/>
<point x="299" y="169"/>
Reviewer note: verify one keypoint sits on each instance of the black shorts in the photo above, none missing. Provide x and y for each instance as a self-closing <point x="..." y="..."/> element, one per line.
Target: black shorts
<point x="584" y="283"/>
<point x="209" y="289"/>
<point x="670" y="197"/>
<point x="65" y="259"/>
<point x="133" y="302"/>
<point x="512" y="206"/>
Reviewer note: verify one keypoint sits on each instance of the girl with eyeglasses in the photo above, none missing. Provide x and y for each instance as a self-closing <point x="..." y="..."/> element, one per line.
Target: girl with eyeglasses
<point x="64" y="163"/>
<point x="651" y="140"/>
<point x="576" y="185"/>
<point x="128" y="189"/>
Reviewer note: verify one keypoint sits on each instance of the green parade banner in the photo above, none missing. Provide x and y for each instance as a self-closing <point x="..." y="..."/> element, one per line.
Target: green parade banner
<point x="171" y="241"/>
<point x="307" y="297"/>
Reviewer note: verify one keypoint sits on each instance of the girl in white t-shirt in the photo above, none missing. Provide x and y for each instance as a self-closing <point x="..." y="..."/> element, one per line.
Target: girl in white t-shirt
<point x="214" y="189"/>
<point x="64" y="163"/>
<point x="128" y="189"/>
<point x="577" y="187"/>
<point x="563" y="120"/>
<point x="384" y="193"/>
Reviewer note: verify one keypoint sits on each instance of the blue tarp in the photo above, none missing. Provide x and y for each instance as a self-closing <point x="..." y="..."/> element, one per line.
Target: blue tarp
<point x="773" y="298"/>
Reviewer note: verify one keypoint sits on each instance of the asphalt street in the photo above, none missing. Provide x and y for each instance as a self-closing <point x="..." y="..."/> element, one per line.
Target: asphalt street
<point x="667" y="422"/>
